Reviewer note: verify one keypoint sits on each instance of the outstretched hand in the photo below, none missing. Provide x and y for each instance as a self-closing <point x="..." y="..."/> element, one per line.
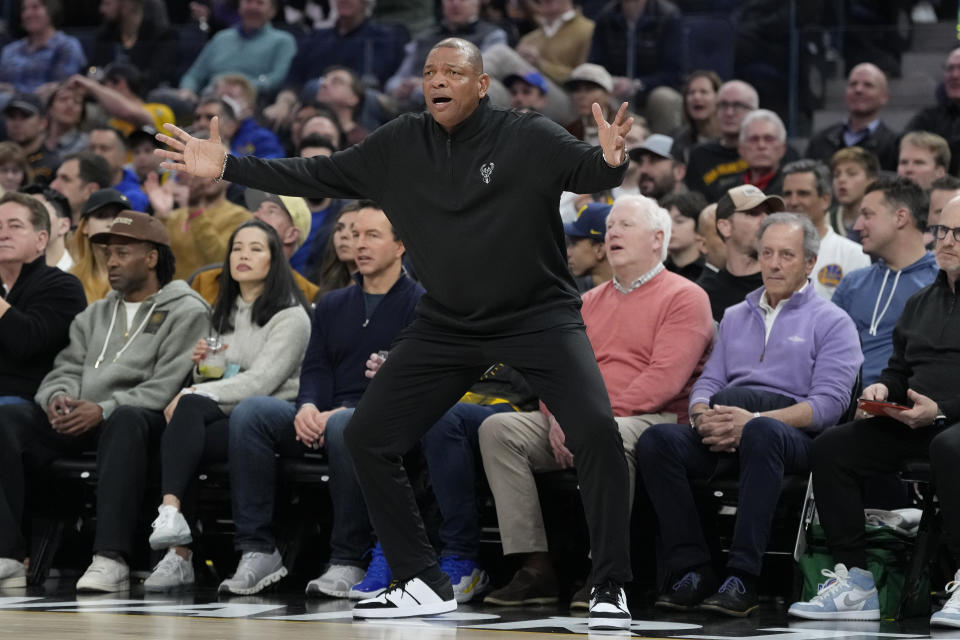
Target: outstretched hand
<point x="201" y="158"/>
<point x="612" y="135"/>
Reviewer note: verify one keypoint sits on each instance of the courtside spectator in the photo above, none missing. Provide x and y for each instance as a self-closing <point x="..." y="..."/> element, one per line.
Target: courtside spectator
<point x="700" y="116"/>
<point x="714" y="249"/>
<point x="323" y="122"/>
<point x="290" y="219"/>
<point x="865" y="96"/>
<point x="924" y="157"/>
<point x="527" y="92"/>
<point x="59" y="210"/>
<point x="36" y="308"/>
<point x="144" y="162"/>
<point x="461" y="19"/>
<point x="90" y="261"/>
<point x="253" y="48"/>
<point x="588" y="84"/>
<point x="685" y="252"/>
<point x="921" y="375"/>
<point x="943" y="118"/>
<point x="586" y="251"/>
<point x="249" y="138"/>
<point x="78" y="177"/>
<point x="349" y="324"/>
<point x="661" y="166"/>
<point x="110" y="145"/>
<point x="711" y="161"/>
<point x="781" y="371"/>
<point x="199" y="231"/>
<point x="641" y="45"/>
<point x="261" y="320"/>
<point x="107" y="391"/>
<point x="339" y="257"/>
<point x="891" y="226"/>
<point x="853" y="171"/>
<point x="763" y="143"/>
<point x="45" y="55"/>
<point x="806" y="190"/>
<point x="15" y="171"/>
<point x="342" y="90"/>
<point x="559" y="45"/>
<point x="356" y="41"/>
<point x="66" y="113"/>
<point x="651" y="331"/>
<point x="120" y="95"/>
<point x="26" y="123"/>
<point x="323" y="214"/>
<point x="739" y="215"/>
<point x="942" y="191"/>
<point x="131" y="34"/>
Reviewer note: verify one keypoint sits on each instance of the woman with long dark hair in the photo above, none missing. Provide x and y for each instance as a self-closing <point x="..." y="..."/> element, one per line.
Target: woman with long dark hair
<point x="699" y="111"/>
<point x="339" y="262"/>
<point x="261" y="326"/>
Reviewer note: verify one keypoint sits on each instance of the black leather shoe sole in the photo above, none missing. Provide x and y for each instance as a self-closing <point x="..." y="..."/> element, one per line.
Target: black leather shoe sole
<point x="728" y="611"/>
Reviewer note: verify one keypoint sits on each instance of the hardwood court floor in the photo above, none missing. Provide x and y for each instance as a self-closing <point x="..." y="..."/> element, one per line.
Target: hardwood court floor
<point x="60" y="613"/>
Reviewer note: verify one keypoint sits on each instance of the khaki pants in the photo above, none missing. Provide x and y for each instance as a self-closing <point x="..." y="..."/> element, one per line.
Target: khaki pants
<point x="514" y="447"/>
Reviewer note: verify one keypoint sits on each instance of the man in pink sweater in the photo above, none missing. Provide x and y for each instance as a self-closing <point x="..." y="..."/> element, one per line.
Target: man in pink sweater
<point x="651" y="331"/>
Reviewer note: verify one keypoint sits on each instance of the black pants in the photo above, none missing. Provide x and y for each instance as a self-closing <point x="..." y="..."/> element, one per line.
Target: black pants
<point x="844" y="456"/>
<point x="123" y="443"/>
<point x="425" y="375"/>
<point x="198" y="431"/>
<point x="27" y="441"/>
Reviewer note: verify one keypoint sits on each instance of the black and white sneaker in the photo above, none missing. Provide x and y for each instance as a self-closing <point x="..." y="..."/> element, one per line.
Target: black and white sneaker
<point x="608" y="607"/>
<point x="406" y="599"/>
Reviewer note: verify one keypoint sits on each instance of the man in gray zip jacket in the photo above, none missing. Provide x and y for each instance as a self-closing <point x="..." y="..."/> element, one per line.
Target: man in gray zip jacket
<point x="128" y="356"/>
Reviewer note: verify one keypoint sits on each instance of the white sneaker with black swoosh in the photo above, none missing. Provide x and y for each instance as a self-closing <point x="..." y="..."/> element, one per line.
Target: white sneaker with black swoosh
<point x="847" y="595"/>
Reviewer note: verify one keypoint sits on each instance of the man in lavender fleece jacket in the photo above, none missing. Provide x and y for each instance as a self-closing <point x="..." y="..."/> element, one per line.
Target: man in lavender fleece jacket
<point x="781" y="371"/>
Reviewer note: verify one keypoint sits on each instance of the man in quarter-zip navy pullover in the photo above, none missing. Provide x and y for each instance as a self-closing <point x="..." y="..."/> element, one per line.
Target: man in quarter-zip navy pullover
<point x="474" y="192"/>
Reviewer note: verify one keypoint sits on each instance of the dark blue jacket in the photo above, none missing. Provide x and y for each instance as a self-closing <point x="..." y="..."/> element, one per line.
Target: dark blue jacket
<point x="343" y="337"/>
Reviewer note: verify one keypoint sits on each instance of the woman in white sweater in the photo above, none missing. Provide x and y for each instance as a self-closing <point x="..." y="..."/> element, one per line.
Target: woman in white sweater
<point x="261" y="319"/>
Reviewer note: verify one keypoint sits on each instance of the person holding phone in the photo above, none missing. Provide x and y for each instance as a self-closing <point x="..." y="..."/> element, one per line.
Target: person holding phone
<point x="922" y="376"/>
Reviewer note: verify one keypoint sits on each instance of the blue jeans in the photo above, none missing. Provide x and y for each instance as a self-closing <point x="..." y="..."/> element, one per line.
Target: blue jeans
<point x="262" y="427"/>
<point x="12" y="400"/>
<point x="450" y="447"/>
<point x="668" y="455"/>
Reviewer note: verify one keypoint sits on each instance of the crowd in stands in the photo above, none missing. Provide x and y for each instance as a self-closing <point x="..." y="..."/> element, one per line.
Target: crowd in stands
<point x="733" y="283"/>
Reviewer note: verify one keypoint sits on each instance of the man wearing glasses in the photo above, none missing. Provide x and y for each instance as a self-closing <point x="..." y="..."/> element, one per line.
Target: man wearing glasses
<point x="710" y="161"/>
<point x="921" y="377"/>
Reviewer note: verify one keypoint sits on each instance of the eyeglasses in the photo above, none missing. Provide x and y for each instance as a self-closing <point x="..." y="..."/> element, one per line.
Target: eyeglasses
<point x="940" y="231"/>
<point x="723" y="105"/>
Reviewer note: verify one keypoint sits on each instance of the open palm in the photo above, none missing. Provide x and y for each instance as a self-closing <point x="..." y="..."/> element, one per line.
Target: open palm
<point x="202" y="158"/>
<point x="612" y="135"/>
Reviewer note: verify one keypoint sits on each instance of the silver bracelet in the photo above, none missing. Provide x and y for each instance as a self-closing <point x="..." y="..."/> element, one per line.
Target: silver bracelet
<point x="223" y="169"/>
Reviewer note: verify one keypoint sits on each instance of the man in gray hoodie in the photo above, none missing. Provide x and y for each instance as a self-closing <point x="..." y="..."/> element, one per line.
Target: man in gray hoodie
<point x="128" y="356"/>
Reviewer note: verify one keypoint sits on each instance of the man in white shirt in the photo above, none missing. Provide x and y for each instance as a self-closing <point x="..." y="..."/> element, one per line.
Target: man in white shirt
<point x="58" y="207"/>
<point x="807" y="190"/>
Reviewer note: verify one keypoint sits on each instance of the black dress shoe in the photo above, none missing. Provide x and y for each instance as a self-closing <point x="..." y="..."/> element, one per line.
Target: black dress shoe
<point x="686" y="593"/>
<point x="732" y="599"/>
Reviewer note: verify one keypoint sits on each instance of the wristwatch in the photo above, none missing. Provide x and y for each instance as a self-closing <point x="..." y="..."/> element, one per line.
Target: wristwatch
<point x="940" y="420"/>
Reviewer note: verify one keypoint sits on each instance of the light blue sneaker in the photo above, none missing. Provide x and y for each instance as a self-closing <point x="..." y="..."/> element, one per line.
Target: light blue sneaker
<point x="467" y="578"/>
<point x="949" y="616"/>
<point x="376" y="579"/>
<point x="847" y="595"/>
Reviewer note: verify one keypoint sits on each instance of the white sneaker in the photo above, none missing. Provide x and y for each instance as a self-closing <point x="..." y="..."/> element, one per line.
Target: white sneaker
<point x="949" y="615"/>
<point x="255" y="572"/>
<point x="406" y="600"/>
<point x="847" y="595"/>
<point x="13" y="573"/>
<point x="608" y="607"/>
<point x="105" y="574"/>
<point x="336" y="581"/>
<point x="170" y="529"/>
<point x="171" y="573"/>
